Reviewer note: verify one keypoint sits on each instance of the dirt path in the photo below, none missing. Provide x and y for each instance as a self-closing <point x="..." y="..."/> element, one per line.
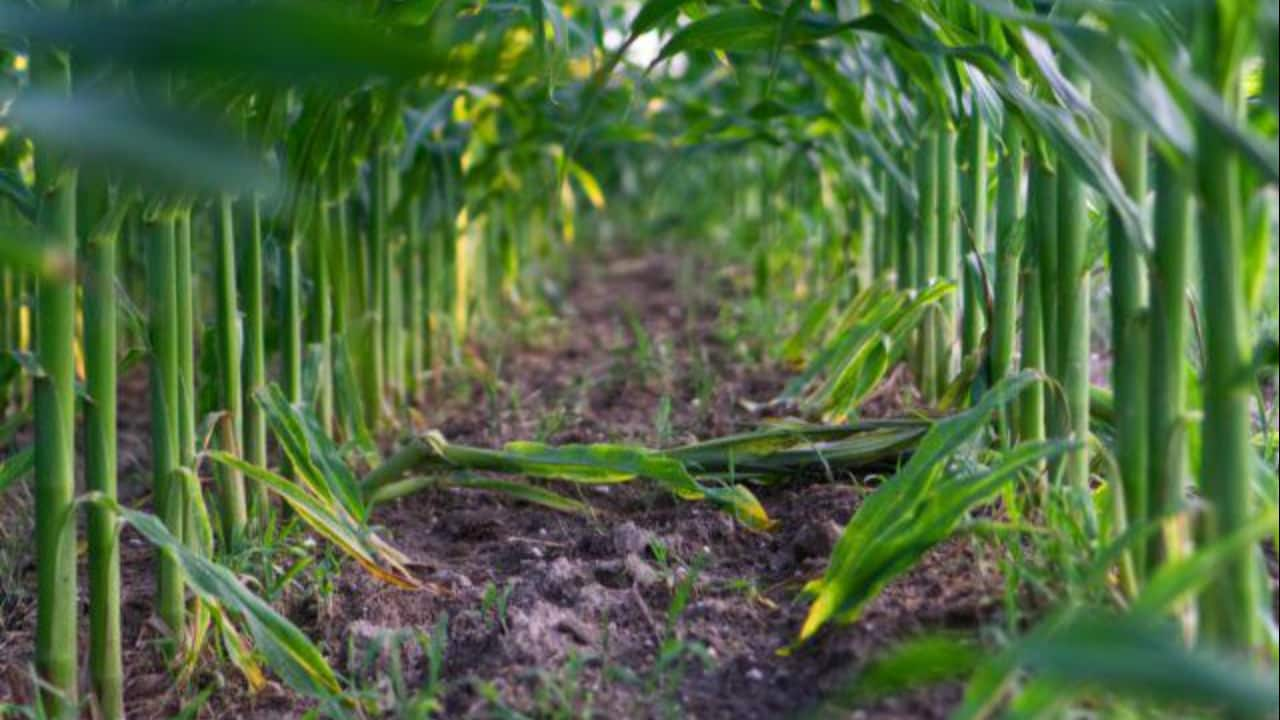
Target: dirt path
<point x="562" y="616"/>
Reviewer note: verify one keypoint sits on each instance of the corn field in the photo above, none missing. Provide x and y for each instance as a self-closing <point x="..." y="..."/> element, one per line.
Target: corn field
<point x="454" y="358"/>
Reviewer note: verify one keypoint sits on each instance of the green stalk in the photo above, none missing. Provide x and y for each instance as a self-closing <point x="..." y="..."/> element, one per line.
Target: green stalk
<point x="291" y="323"/>
<point x="167" y="494"/>
<point x="1129" y="330"/>
<point x="1073" y="328"/>
<point x="105" y="668"/>
<point x="322" y="318"/>
<point x="374" y="371"/>
<point x="255" y="360"/>
<point x="1169" y="270"/>
<point x="906" y="243"/>
<point x="55" y="424"/>
<point x="948" y="258"/>
<point x="884" y="230"/>
<point x="346" y="320"/>
<point x="8" y="321"/>
<point x="1031" y="422"/>
<point x="927" y="267"/>
<point x="974" y="321"/>
<point x="360" y="343"/>
<point x="1046" y="220"/>
<point x="393" y="329"/>
<point x="451" y="291"/>
<point x="234" y="514"/>
<point x="1010" y="208"/>
<point x="339" y="272"/>
<point x="392" y="299"/>
<point x="186" y="364"/>
<point x="864" y="258"/>
<point x="415" y="298"/>
<point x="1230" y="608"/>
<point x="437" y="283"/>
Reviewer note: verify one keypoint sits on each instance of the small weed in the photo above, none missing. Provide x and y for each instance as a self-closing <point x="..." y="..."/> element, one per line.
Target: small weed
<point x="750" y="589"/>
<point x="642" y="349"/>
<point x="562" y="693"/>
<point x="551" y="422"/>
<point x="704" y="380"/>
<point x="662" y="421"/>
<point x="390" y="693"/>
<point x="493" y="604"/>
<point x="660" y="684"/>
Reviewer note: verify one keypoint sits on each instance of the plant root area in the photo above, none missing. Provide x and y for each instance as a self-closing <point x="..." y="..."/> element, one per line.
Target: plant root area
<point x="648" y="607"/>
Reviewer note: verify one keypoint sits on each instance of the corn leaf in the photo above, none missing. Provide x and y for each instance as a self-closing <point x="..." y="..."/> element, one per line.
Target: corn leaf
<point x="15" y="466"/>
<point x="313" y="456"/>
<point x="525" y="492"/>
<point x="159" y="147"/>
<point x="287" y="650"/>
<point x="916" y="663"/>
<point x="914" y="510"/>
<point x="1131" y="656"/>
<point x="591" y="464"/>
<point x="1186" y="576"/>
<point x="281" y="41"/>
<point x="331" y="521"/>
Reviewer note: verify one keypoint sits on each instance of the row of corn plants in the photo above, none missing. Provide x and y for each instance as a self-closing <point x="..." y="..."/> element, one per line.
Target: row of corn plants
<point x="1025" y="157"/>
<point x="341" y="207"/>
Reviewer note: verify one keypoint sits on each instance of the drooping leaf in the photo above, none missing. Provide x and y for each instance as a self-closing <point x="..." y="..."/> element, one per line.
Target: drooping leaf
<point x="719" y="453"/>
<point x="287" y="650"/>
<point x="591" y="464"/>
<point x="915" y="509"/>
<point x="525" y="492"/>
<point x="332" y="522"/>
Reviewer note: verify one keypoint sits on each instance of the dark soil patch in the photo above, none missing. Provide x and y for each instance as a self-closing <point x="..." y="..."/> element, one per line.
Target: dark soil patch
<point x="586" y="616"/>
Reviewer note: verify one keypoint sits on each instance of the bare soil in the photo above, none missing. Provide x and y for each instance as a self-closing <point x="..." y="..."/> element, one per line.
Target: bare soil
<point x="587" y="598"/>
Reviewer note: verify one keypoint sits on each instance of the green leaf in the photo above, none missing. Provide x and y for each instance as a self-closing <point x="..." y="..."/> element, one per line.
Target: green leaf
<point x="1132" y="657"/>
<point x="313" y="456"/>
<point x="869" y="349"/>
<point x="163" y="149"/>
<point x="524" y="491"/>
<point x="332" y="522"/>
<point x="916" y="509"/>
<point x="286" y="649"/>
<point x="1184" y="577"/>
<point x="280" y="41"/>
<point x="1125" y="88"/>
<point x="920" y="662"/>
<point x="652" y="13"/>
<point x="13" y="188"/>
<point x="15" y="466"/>
<point x="592" y="464"/>
<point x="736" y="29"/>
<point x="748" y="29"/>
<point x="719" y="454"/>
